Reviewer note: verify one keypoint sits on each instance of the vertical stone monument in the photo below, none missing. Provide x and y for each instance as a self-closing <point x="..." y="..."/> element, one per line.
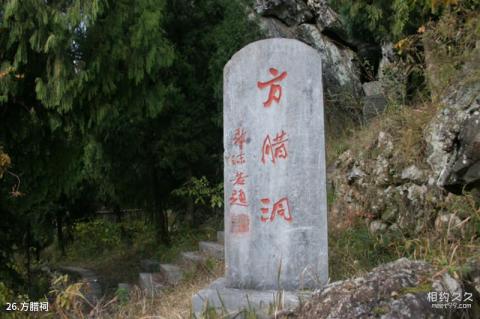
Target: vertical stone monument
<point x="274" y="173"/>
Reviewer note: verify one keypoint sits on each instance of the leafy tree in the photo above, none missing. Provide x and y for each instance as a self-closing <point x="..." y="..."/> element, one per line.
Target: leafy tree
<point x="41" y="141"/>
<point x="108" y="102"/>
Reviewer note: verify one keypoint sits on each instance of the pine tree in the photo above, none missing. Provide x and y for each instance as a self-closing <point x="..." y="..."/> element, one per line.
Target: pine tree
<point x="108" y="102"/>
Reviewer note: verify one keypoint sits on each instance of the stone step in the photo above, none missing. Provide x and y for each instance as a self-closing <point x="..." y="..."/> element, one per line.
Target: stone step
<point x="212" y="249"/>
<point x="92" y="289"/>
<point x="190" y="258"/>
<point x="172" y="274"/>
<point x="151" y="283"/>
<point x="150" y="265"/>
<point x="221" y="237"/>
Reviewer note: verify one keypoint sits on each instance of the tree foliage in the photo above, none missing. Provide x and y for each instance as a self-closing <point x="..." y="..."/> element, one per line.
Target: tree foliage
<point x="390" y="20"/>
<point x="108" y="103"/>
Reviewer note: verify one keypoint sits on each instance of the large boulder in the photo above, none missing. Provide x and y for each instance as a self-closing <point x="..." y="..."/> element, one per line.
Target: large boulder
<point x="290" y="12"/>
<point x="454" y="134"/>
<point x="389" y="194"/>
<point x="454" y="140"/>
<point x="340" y="63"/>
<point x="400" y="289"/>
<point x="316" y="24"/>
<point x="325" y="18"/>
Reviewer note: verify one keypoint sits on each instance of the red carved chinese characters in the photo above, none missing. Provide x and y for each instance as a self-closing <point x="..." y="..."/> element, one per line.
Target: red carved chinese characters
<point x="280" y="208"/>
<point x="238" y="197"/>
<point x="236" y="159"/>
<point x="240" y="138"/>
<point x="275" y="150"/>
<point x="239" y="178"/>
<point x="275" y="93"/>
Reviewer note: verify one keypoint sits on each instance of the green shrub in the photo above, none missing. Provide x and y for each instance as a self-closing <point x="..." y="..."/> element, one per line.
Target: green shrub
<point x="355" y="250"/>
<point x="99" y="237"/>
<point x="96" y="237"/>
<point x="450" y="50"/>
<point x="391" y="20"/>
<point x="202" y="192"/>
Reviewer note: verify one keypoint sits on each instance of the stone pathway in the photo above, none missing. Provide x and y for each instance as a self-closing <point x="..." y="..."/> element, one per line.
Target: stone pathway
<point x="93" y="293"/>
<point x="156" y="276"/>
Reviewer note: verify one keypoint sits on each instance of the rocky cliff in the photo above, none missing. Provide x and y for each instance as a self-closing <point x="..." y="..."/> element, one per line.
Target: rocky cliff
<point x="412" y="174"/>
<point x="413" y="162"/>
<point x="316" y="24"/>
<point x="400" y="289"/>
<point x="449" y="145"/>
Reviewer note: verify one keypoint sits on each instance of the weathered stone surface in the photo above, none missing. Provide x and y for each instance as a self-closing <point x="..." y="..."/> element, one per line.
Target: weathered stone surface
<point x="292" y="241"/>
<point x="413" y="174"/>
<point x="172" y="274"/>
<point x="394" y="290"/>
<point x="465" y="169"/>
<point x="273" y="28"/>
<point x="454" y="139"/>
<point x="355" y="174"/>
<point x="237" y="300"/>
<point x="375" y="187"/>
<point x="372" y="88"/>
<point x="472" y="276"/>
<point x="325" y="18"/>
<point x="212" y="249"/>
<point x="190" y="258"/>
<point x="290" y="12"/>
<point x="341" y="73"/>
<point x="151" y="283"/>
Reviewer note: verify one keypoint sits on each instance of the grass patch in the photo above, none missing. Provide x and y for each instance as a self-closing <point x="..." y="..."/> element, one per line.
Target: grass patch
<point x="355" y="251"/>
<point x="171" y="304"/>
<point x="185" y="239"/>
<point x="114" y="250"/>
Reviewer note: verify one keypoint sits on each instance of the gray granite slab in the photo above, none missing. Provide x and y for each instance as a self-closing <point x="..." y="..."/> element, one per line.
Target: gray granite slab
<point x="274" y="167"/>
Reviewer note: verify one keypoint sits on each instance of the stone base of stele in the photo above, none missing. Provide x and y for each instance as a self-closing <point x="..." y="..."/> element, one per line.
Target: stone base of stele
<point x="237" y="303"/>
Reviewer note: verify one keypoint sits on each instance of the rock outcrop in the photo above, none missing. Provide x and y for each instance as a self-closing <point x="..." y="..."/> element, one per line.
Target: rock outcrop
<point x="412" y="194"/>
<point x="400" y="289"/>
<point x="454" y="134"/>
<point x="290" y="12"/>
<point x="454" y="140"/>
<point x="316" y="24"/>
<point x="377" y="186"/>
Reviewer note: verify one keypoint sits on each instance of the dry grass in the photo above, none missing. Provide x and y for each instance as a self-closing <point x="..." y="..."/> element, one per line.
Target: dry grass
<point x="177" y="303"/>
<point x="171" y="303"/>
<point x="354" y="251"/>
<point x="174" y="303"/>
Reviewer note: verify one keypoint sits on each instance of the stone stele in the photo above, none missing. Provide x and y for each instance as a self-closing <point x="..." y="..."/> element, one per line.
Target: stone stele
<point x="274" y="177"/>
<point x="274" y="168"/>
